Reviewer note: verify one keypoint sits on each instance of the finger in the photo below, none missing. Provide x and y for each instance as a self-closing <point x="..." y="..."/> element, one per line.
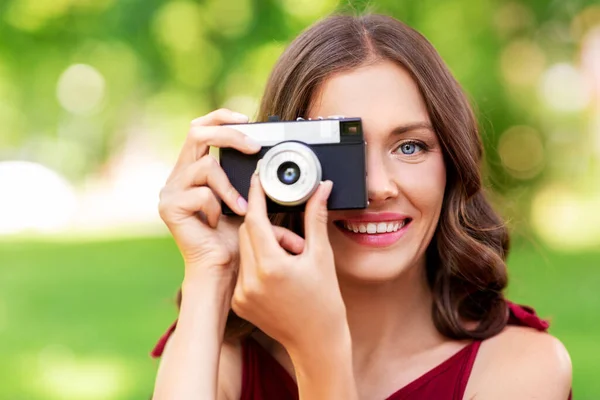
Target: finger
<point x="200" y="138"/>
<point x="214" y="118"/>
<point x="208" y="172"/>
<point x="190" y="201"/>
<point x="221" y="136"/>
<point x="191" y="150"/>
<point x="238" y="298"/>
<point x="315" y="217"/>
<point x="288" y="240"/>
<point x="258" y="224"/>
<point x="247" y="269"/>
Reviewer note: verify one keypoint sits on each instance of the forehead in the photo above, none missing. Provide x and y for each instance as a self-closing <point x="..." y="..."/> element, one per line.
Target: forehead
<point x="384" y="95"/>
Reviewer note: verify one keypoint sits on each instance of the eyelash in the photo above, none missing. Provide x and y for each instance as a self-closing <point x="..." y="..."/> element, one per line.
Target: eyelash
<point x="417" y="143"/>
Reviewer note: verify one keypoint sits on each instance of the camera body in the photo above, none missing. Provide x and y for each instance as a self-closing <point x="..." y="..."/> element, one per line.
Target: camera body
<point x="295" y="157"/>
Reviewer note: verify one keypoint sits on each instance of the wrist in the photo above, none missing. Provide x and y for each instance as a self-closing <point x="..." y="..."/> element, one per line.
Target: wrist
<point x="326" y="370"/>
<point x="203" y="276"/>
<point x="205" y="303"/>
<point x="332" y="346"/>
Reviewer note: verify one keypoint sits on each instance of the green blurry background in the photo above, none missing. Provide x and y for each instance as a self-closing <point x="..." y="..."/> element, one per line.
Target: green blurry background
<point x="95" y="100"/>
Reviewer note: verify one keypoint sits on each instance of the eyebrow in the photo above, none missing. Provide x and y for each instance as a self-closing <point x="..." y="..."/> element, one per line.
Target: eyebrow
<point x="412" y="127"/>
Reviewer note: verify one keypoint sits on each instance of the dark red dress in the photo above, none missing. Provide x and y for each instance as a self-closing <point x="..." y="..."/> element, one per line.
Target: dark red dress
<point x="263" y="378"/>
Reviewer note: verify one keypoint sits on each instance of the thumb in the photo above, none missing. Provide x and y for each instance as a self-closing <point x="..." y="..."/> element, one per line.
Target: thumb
<point x="315" y="217"/>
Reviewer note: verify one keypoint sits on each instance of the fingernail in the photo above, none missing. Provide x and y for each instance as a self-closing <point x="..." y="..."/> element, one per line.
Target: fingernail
<point x="196" y="120"/>
<point x="257" y="170"/>
<point x="327" y="185"/>
<point x="253" y="144"/>
<point x="242" y="203"/>
<point x="240" y="117"/>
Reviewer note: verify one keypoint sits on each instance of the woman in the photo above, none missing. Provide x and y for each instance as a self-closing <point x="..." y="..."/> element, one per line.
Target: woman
<point x="326" y="305"/>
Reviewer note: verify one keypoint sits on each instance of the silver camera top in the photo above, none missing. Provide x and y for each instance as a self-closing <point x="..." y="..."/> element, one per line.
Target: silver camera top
<point x="311" y="131"/>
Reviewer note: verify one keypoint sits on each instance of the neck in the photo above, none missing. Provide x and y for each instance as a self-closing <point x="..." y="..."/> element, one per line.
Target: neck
<point x="393" y="316"/>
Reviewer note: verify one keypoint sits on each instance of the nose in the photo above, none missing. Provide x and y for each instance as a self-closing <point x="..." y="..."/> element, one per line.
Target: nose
<point x="380" y="185"/>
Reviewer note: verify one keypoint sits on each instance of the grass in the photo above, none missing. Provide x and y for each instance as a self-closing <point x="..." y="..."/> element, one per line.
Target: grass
<point x="77" y="320"/>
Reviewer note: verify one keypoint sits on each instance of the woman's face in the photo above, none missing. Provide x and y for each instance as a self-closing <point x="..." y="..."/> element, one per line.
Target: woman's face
<point x="406" y="175"/>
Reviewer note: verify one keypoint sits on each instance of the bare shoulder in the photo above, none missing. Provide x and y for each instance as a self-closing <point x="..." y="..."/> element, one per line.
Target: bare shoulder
<point x="521" y="363"/>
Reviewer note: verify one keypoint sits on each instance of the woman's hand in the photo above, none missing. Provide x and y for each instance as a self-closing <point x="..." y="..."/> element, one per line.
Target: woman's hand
<point x="293" y="298"/>
<point x="189" y="202"/>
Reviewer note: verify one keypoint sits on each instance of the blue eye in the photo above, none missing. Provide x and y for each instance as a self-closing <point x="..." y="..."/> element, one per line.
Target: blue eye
<point x="410" y="148"/>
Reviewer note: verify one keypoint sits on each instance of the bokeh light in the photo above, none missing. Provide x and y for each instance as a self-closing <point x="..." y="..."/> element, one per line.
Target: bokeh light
<point x="522" y="62"/>
<point x="563" y="88"/>
<point x="586" y="20"/>
<point x="590" y="62"/>
<point x="31" y="15"/>
<point x="177" y="25"/>
<point x="565" y="219"/>
<point x="193" y="58"/>
<point x="521" y="151"/>
<point x="230" y="18"/>
<point x="62" y="375"/>
<point x="512" y="17"/>
<point x="80" y="89"/>
<point x="34" y="198"/>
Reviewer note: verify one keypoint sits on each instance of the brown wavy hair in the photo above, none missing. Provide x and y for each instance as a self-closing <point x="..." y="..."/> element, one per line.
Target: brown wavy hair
<point x="466" y="267"/>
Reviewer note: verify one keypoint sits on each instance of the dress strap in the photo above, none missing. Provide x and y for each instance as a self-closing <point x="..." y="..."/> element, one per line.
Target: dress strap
<point x="162" y="342"/>
<point x="525" y="316"/>
<point x="466" y="369"/>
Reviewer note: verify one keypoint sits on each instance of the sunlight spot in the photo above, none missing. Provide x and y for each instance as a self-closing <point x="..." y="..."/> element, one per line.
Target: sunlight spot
<point x="586" y="20"/>
<point x="512" y="17"/>
<point x="177" y="25"/>
<point x="229" y="18"/>
<point x="563" y="88"/>
<point x="565" y="219"/>
<point x="34" y="198"/>
<point x="521" y="151"/>
<point x="61" y="375"/>
<point x="80" y="89"/>
<point x="522" y="62"/>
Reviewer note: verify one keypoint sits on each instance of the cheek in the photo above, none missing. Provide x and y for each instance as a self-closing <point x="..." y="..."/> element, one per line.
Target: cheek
<point x="424" y="185"/>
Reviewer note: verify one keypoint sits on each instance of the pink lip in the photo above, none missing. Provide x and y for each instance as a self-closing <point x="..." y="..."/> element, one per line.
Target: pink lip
<point x="379" y="239"/>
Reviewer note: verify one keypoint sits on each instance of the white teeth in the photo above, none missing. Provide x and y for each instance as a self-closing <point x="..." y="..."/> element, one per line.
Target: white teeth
<point x="373" y="227"/>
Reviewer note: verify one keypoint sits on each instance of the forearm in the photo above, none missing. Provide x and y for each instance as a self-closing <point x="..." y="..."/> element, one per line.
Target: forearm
<point x="326" y="371"/>
<point x="189" y="369"/>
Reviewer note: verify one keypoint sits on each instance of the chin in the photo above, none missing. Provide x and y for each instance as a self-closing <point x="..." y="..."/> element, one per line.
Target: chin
<point x="371" y="267"/>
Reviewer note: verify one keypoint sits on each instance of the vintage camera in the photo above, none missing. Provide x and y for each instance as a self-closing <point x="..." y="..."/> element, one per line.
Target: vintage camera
<point x="296" y="156"/>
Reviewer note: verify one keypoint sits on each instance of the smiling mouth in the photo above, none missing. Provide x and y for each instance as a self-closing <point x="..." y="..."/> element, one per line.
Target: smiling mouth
<point x="373" y="228"/>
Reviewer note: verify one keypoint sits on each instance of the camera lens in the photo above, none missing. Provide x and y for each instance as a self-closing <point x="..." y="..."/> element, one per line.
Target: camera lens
<point x="288" y="173"/>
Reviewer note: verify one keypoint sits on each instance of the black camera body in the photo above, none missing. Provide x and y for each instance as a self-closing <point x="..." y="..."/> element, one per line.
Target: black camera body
<point x="295" y="157"/>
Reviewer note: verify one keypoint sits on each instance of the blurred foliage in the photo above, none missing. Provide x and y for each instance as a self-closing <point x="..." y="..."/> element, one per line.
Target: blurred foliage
<point x="161" y="63"/>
